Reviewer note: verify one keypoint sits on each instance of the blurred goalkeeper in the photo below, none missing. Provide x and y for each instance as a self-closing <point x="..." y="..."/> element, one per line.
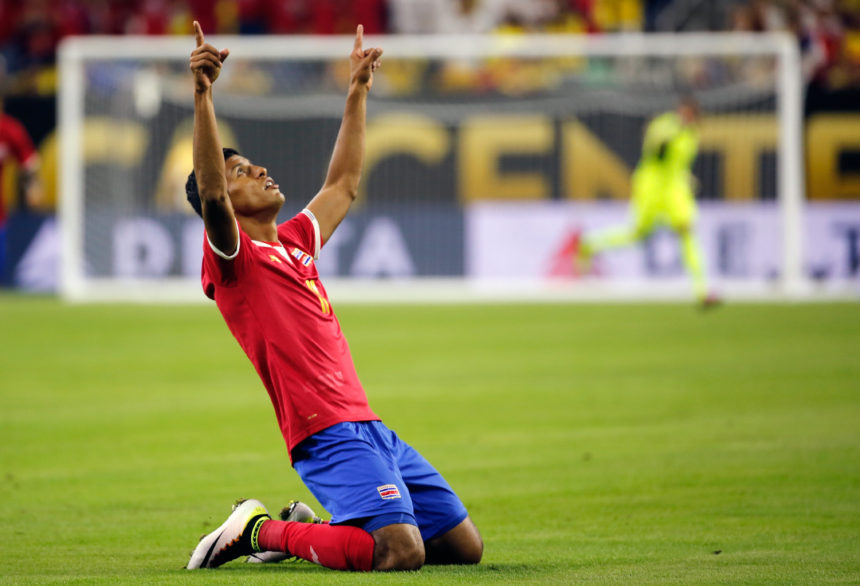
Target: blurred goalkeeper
<point x="663" y="195"/>
<point x="391" y="510"/>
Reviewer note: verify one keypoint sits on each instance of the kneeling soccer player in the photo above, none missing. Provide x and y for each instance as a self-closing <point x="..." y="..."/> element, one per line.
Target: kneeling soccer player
<point x="391" y="510"/>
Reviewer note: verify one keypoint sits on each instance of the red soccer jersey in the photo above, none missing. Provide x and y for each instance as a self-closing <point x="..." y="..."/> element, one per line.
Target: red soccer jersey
<point x="16" y="143"/>
<point x="274" y="304"/>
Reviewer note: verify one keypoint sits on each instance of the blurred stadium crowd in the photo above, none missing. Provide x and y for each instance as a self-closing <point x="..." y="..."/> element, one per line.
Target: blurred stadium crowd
<point x="828" y="31"/>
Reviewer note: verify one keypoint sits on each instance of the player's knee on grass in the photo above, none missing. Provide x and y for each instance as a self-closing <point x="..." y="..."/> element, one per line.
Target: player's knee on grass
<point x="460" y="545"/>
<point x="398" y="547"/>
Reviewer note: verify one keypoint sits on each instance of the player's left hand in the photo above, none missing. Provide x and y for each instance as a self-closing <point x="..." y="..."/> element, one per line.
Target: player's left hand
<point x="206" y="61"/>
<point x="363" y="62"/>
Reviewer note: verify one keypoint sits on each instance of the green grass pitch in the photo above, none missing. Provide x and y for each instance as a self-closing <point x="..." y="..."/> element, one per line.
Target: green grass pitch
<point x="632" y="444"/>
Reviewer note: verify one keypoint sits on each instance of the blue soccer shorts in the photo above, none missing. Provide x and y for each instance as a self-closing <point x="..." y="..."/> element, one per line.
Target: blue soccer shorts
<point x="365" y="476"/>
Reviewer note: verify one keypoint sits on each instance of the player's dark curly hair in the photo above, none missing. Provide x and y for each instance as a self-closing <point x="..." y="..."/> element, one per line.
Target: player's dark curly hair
<point x="191" y="193"/>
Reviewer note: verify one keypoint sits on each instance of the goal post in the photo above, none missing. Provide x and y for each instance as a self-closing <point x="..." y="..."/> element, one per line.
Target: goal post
<point x="427" y="230"/>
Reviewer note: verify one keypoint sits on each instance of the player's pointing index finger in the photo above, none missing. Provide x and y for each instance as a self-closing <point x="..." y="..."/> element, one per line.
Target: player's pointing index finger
<point x="359" y="37"/>
<point x="198" y="33"/>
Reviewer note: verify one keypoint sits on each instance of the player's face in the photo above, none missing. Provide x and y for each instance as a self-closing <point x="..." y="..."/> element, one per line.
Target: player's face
<point x="250" y="187"/>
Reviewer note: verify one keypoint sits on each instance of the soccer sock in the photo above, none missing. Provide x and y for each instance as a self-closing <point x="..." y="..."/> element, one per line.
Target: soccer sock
<point x="610" y="238"/>
<point x="338" y="547"/>
<point x="692" y="256"/>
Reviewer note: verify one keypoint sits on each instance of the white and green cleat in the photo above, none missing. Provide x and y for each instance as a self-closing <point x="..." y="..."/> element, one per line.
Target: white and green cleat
<point x="236" y="537"/>
<point x="296" y="511"/>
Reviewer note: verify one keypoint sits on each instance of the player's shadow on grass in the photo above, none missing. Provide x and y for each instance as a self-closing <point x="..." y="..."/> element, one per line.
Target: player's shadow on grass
<point x="305" y="568"/>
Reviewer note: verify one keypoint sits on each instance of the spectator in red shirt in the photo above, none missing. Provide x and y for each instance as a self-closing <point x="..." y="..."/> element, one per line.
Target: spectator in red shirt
<point x="15" y="144"/>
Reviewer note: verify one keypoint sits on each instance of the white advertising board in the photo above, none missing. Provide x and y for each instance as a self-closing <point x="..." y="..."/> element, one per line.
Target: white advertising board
<point x="533" y="245"/>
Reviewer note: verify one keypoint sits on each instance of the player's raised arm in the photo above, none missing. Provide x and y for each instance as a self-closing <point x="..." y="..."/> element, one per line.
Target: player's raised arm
<point x="341" y="184"/>
<point x="217" y="214"/>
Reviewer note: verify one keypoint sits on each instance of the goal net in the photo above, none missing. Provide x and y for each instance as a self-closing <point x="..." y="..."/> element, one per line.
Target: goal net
<point x="487" y="158"/>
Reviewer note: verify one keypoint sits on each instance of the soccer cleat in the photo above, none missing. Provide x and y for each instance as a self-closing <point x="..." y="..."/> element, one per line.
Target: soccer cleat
<point x="236" y="537"/>
<point x="296" y="511"/>
<point x="710" y="301"/>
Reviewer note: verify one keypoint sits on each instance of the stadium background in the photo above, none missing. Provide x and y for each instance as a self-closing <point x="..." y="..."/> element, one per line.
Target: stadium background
<point x="827" y="33"/>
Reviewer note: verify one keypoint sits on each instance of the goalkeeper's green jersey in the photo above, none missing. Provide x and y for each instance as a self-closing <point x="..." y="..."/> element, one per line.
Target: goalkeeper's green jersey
<point x="663" y="185"/>
<point x="670" y="144"/>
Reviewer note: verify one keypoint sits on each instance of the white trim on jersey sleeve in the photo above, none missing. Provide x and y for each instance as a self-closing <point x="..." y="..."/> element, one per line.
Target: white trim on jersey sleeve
<point x="221" y="254"/>
<point x="317" y="243"/>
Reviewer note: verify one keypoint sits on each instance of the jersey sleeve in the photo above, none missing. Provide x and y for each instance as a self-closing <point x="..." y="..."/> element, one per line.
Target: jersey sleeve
<point x="223" y="270"/>
<point x="659" y="134"/>
<point x="302" y="230"/>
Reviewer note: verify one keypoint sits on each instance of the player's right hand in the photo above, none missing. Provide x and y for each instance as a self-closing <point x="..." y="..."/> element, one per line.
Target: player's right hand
<point x="206" y="61"/>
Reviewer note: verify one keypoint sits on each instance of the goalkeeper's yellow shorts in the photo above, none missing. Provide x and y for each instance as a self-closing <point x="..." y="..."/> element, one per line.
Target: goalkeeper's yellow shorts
<point x="662" y="198"/>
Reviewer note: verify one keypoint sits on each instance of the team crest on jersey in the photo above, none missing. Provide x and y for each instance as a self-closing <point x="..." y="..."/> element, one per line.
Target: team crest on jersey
<point x="388" y="492"/>
<point x="301" y="256"/>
